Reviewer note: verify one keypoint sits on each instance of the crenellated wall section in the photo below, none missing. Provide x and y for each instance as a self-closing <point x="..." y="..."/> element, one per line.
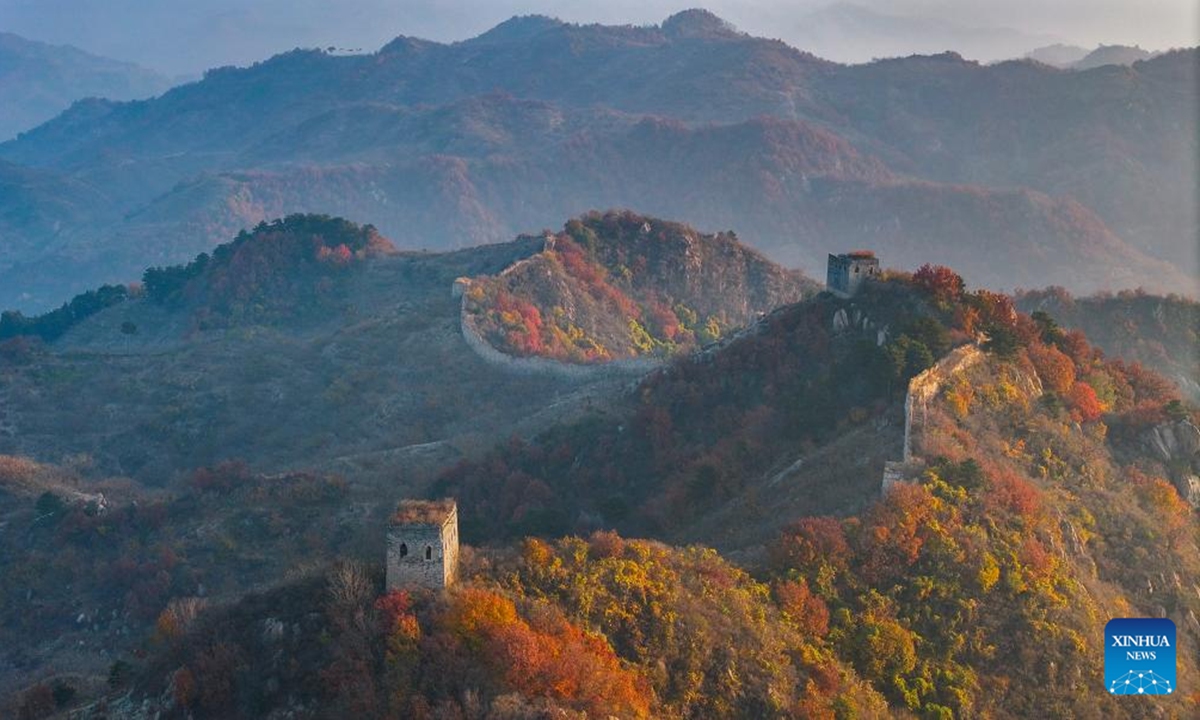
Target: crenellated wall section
<point x="921" y="390"/>
<point x="629" y="367"/>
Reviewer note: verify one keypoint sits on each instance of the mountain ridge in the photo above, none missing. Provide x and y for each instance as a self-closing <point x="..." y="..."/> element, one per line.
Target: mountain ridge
<point x="39" y="81"/>
<point x="932" y="119"/>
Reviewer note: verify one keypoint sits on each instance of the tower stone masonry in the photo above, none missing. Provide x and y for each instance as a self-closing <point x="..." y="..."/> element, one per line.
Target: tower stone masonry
<point x="422" y="545"/>
<point x="846" y="272"/>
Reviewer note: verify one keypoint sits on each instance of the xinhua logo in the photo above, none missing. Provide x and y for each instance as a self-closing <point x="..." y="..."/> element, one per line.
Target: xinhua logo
<point x="1139" y="656"/>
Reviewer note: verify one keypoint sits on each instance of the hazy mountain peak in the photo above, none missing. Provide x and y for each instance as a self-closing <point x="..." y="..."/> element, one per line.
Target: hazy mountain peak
<point x="519" y="28"/>
<point x="319" y="132"/>
<point x="406" y="44"/>
<point x="1112" y="55"/>
<point x="1058" y="54"/>
<point x="697" y="23"/>
<point x="849" y="32"/>
<point x="39" y="80"/>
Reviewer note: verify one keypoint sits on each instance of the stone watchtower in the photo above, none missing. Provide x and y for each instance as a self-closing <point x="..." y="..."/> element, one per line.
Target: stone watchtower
<point x="422" y="545"/>
<point x="847" y="271"/>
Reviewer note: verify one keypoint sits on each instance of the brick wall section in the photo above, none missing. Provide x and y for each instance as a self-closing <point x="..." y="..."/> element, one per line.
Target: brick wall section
<point x="921" y="389"/>
<point x="630" y="367"/>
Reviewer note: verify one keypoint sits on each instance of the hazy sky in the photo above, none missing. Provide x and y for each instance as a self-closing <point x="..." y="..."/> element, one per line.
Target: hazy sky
<point x="186" y="36"/>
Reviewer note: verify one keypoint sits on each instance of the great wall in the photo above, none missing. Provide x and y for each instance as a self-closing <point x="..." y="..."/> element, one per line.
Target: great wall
<point x="625" y="368"/>
<point x="921" y="389"/>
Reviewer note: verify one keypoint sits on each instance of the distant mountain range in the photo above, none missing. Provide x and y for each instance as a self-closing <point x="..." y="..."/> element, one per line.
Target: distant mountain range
<point x="1077" y="58"/>
<point x="1058" y="54"/>
<point x="1018" y="174"/>
<point x="39" y="81"/>
<point x="1112" y="55"/>
<point x="847" y="32"/>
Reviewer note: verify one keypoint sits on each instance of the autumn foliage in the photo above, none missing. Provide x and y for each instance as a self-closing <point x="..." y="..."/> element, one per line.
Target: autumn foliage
<point x="939" y="281"/>
<point x="281" y="269"/>
<point x="621" y="285"/>
<point x="1084" y="404"/>
<point x="1035" y="511"/>
<point x="543" y="656"/>
<point x="1056" y="370"/>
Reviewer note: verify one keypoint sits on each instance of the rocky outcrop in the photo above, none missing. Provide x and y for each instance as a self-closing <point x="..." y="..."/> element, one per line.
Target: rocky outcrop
<point x="1174" y="442"/>
<point x="853" y="318"/>
<point x="1177" y="445"/>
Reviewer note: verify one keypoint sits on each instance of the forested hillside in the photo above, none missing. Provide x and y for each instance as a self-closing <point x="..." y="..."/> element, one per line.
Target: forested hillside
<point x="305" y="341"/>
<point x="622" y="285"/>
<point x="287" y="270"/>
<point x="1039" y="508"/>
<point x="1160" y="332"/>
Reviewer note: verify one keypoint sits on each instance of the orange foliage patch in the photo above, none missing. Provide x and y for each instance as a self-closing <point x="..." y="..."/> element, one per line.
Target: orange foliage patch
<point x="1056" y="370"/>
<point x="1013" y="493"/>
<point x="939" y="281"/>
<point x="895" y="530"/>
<point x="1085" y="406"/>
<point x="804" y="608"/>
<point x="810" y="541"/>
<point x="547" y="656"/>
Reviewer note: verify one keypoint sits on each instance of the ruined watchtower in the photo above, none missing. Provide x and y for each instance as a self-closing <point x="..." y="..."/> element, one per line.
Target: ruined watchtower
<point x="422" y="545"/>
<point x="847" y="271"/>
